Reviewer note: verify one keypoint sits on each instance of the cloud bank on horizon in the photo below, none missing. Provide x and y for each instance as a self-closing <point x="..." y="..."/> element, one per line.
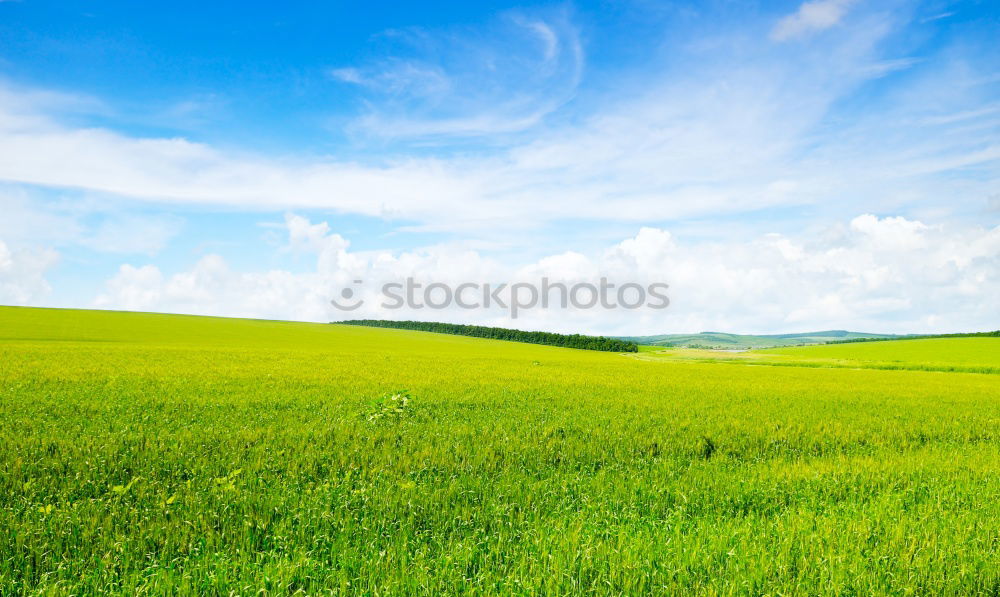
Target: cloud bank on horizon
<point x="784" y="167"/>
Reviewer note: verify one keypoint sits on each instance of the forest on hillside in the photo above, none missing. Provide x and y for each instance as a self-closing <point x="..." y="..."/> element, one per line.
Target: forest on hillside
<point x="477" y="331"/>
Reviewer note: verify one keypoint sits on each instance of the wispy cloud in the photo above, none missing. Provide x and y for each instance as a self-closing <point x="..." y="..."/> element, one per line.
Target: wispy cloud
<point x="347" y="75"/>
<point x="937" y="17"/>
<point x="399" y="78"/>
<point x="127" y="233"/>
<point x="810" y="17"/>
<point x="501" y="78"/>
<point x="727" y="138"/>
<point x="884" y="67"/>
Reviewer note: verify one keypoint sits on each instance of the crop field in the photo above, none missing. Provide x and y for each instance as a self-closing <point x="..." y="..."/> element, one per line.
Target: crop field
<point x="969" y="355"/>
<point x="962" y="354"/>
<point x="159" y="454"/>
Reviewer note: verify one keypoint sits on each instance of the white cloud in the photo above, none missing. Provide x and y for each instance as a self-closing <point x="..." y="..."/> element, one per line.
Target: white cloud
<point x="548" y="36"/>
<point x="128" y="233"/>
<point x="399" y="77"/>
<point x="884" y="67"/>
<point x="877" y="274"/>
<point x="347" y="75"/>
<point x="63" y="220"/>
<point x="937" y="17"/>
<point x="707" y="142"/>
<point x="993" y="202"/>
<point x="25" y="221"/>
<point x="212" y="288"/>
<point x="306" y="236"/>
<point x="732" y="136"/>
<point x="816" y="15"/>
<point x="464" y="82"/>
<point x="22" y="274"/>
<point x="133" y="288"/>
<point x="891" y="233"/>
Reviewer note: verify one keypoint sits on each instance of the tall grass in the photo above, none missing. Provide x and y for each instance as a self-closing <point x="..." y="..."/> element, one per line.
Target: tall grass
<point x="145" y="454"/>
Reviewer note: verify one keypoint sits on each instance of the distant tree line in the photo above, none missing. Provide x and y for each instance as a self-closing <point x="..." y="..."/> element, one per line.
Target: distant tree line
<point x="993" y="334"/>
<point x="478" y="331"/>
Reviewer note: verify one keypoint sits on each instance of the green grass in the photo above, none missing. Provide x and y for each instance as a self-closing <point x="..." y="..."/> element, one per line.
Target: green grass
<point x="969" y="355"/>
<point x="747" y="341"/>
<point x="152" y="454"/>
<point x="930" y="353"/>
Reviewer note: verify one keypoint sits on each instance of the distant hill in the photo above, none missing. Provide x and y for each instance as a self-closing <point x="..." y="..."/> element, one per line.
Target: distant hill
<point x="746" y="341"/>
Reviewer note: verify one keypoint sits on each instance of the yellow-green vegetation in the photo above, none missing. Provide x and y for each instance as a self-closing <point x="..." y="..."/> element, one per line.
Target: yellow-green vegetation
<point x="940" y="354"/>
<point x="970" y="355"/>
<point x="164" y="454"/>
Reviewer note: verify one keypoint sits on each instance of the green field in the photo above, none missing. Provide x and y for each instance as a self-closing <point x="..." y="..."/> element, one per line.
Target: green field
<point x="968" y="355"/>
<point x="721" y="340"/>
<point x="960" y="354"/>
<point x="152" y="454"/>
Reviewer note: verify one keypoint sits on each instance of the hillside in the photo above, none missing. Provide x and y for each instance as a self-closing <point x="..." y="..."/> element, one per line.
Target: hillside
<point x="747" y="341"/>
<point x="580" y="341"/>
<point x="976" y="354"/>
<point x="164" y="454"/>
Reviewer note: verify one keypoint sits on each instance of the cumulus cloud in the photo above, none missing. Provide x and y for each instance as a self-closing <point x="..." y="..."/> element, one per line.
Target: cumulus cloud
<point x="22" y="274"/>
<point x="211" y="287"/>
<point x="885" y="274"/>
<point x="303" y="235"/>
<point x="810" y="17"/>
<point x="890" y="233"/>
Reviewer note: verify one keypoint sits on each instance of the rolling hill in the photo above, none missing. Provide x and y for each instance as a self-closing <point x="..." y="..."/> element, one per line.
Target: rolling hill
<point x="749" y="341"/>
<point x="149" y="454"/>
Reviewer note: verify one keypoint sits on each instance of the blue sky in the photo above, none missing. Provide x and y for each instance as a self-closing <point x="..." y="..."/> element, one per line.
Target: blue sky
<point x="785" y="166"/>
